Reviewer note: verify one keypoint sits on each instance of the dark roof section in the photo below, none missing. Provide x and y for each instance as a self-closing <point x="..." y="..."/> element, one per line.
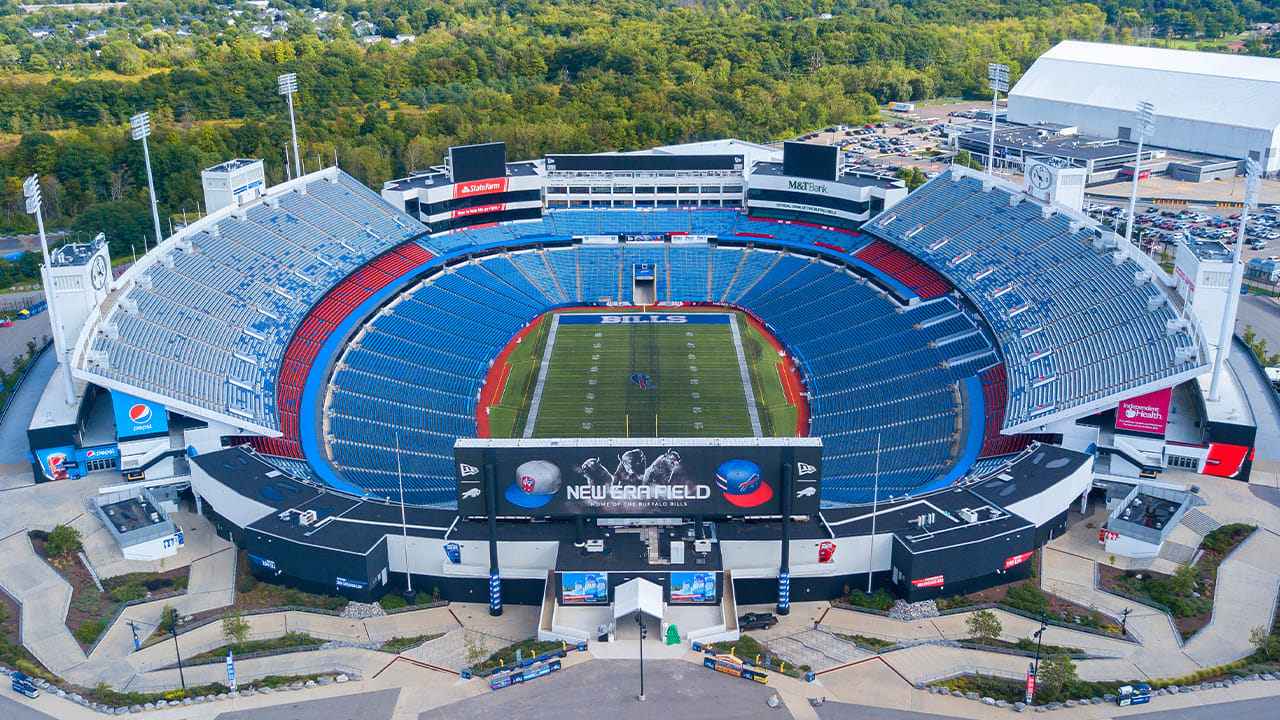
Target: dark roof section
<point x="345" y="522"/>
<point x="854" y="179"/>
<point x="953" y="516"/>
<point x="642" y="162"/>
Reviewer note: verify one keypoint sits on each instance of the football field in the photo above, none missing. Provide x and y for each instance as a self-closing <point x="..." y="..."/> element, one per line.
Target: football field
<point x="628" y="374"/>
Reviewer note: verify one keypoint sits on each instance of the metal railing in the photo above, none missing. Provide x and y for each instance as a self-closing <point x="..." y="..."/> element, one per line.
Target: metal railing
<point x="958" y="670"/>
<point x="321" y="668"/>
<point x="22" y="377"/>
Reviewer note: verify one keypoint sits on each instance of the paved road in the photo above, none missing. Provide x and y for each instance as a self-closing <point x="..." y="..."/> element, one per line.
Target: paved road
<point x="366" y="706"/>
<point x="11" y="709"/>
<point x="1264" y="707"/>
<point x="1264" y="315"/>
<point x="1256" y="708"/>
<point x="13" y="431"/>
<point x="606" y="689"/>
<point x="845" y="711"/>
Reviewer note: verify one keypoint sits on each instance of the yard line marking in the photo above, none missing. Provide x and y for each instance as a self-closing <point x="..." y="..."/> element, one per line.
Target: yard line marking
<point x="542" y="377"/>
<point x="746" y="378"/>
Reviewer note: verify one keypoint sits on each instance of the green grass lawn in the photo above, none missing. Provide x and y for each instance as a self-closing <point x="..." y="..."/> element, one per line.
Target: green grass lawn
<point x="693" y="372"/>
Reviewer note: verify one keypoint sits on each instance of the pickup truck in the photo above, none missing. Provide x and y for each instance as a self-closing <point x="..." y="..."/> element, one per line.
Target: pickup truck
<point x="756" y="621"/>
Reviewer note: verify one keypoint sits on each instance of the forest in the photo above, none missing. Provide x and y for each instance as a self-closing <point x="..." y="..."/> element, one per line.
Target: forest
<point x="387" y="85"/>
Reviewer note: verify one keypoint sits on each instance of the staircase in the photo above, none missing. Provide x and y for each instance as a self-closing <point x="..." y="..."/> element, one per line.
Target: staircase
<point x="1199" y="523"/>
<point x="819" y="649"/>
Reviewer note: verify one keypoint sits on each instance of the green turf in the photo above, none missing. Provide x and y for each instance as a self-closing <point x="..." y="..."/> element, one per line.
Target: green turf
<point x="619" y="406"/>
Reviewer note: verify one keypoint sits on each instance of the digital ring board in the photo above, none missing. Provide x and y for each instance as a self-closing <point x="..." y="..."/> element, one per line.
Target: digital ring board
<point x="731" y="477"/>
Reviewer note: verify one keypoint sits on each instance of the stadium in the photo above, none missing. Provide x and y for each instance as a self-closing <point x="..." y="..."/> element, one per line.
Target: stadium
<point x="809" y="377"/>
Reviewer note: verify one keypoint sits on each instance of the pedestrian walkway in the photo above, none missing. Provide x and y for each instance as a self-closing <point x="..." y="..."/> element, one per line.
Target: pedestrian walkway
<point x="1249" y="576"/>
<point x="45" y="597"/>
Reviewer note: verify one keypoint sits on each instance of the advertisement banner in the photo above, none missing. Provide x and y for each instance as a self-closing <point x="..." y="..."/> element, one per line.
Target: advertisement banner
<point x="135" y="416"/>
<point x="584" y="588"/>
<point x="1017" y="560"/>
<point x="103" y="452"/>
<point x="54" y="462"/>
<point x="1230" y="461"/>
<point x="479" y="187"/>
<point x="693" y="587"/>
<point x="932" y="581"/>
<point x="639" y="477"/>
<point x="478" y="210"/>
<point x="1145" y="414"/>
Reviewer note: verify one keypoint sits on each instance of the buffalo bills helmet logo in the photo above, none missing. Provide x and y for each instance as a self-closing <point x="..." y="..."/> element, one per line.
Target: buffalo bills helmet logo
<point x="741" y="483"/>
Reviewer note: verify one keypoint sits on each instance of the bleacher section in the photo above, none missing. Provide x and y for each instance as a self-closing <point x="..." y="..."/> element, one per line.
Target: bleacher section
<point x="904" y="268"/>
<point x="995" y="444"/>
<point x="871" y="367"/>
<point x="209" y="322"/>
<point x="1073" y="322"/>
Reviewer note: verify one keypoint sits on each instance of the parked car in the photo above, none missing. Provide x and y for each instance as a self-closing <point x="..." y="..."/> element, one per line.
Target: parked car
<point x="22" y="684"/>
<point x="757" y="621"/>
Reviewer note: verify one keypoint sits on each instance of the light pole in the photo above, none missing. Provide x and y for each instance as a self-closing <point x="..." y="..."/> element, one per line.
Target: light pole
<point x="173" y="629"/>
<point x="288" y="84"/>
<point x="875" y="498"/>
<point x="998" y="81"/>
<point x="140" y="126"/>
<point x="644" y="631"/>
<point x="404" y="526"/>
<point x="1252" y="172"/>
<point x="1124" y="621"/>
<point x="1035" y="667"/>
<point x="31" y="191"/>
<point x="1146" y="121"/>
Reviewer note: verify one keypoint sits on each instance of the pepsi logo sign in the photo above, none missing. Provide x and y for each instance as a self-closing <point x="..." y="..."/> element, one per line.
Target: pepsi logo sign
<point x="140" y="414"/>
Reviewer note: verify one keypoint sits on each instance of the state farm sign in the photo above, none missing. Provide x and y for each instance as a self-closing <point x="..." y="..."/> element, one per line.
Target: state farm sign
<point x="479" y="187"/>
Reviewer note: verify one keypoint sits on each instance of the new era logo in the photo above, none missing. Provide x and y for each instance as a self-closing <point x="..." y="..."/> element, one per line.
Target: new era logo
<point x="806" y="469"/>
<point x="468" y="470"/>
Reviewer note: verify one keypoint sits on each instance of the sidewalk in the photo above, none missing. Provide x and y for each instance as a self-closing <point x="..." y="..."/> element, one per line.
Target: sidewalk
<point x="45" y="597"/>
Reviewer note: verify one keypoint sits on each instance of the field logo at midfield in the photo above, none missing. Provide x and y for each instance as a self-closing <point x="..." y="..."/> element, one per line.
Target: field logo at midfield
<point x="644" y="381"/>
<point x="741" y="483"/>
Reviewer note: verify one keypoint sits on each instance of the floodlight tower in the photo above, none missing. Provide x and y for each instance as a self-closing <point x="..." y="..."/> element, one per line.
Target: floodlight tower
<point x="288" y="83"/>
<point x="31" y="191"/>
<point x="1145" y="118"/>
<point x="998" y="81"/>
<point x="141" y="128"/>
<point x="1252" y="172"/>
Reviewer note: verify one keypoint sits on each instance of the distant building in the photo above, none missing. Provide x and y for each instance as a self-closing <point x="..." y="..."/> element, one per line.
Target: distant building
<point x="1214" y="103"/>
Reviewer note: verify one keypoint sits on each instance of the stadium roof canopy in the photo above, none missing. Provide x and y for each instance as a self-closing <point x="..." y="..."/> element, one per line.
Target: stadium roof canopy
<point x="1220" y="88"/>
<point x="1219" y="104"/>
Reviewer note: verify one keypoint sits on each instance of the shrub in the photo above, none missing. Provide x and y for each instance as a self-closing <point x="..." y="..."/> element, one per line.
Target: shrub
<point x="88" y="601"/>
<point x="128" y="592"/>
<point x="234" y="627"/>
<point x="1027" y="598"/>
<point x="168" y="619"/>
<point x="1225" y="538"/>
<point x="90" y="630"/>
<point x="957" y="601"/>
<point x="984" y="625"/>
<point x="63" y="540"/>
<point x="335" y="602"/>
<point x="392" y="602"/>
<point x="879" y="600"/>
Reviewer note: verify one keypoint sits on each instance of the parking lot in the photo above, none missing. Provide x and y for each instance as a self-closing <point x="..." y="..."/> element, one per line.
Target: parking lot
<point x="1163" y="225"/>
